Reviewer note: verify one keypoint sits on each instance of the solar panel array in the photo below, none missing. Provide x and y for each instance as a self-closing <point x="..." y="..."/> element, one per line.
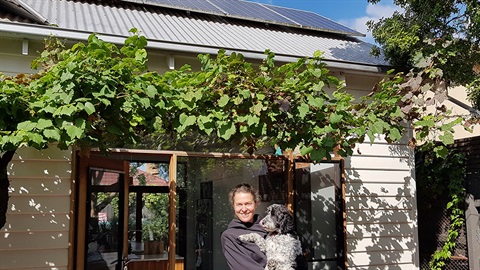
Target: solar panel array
<point x="244" y="9"/>
<point x="259" y="12"/>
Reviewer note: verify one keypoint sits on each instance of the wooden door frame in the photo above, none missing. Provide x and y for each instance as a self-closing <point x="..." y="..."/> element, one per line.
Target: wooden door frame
<point x="126" y="155"/>
<point x="86" y="162"/>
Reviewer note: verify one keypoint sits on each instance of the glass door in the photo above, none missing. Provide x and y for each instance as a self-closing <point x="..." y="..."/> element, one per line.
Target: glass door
<point x="125" y="214"/>
<point x="105" y="227"/>
<point x="319" y="217"/>
<point x="102" y="202"/>
<point x="148" y="211"/>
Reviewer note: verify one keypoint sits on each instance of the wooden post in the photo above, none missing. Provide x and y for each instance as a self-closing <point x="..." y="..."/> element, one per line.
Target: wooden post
<point x="172" y="213"/>
<point x="82" y="210"/>
<point x="73" y="217"/>
<point x="291" y="192"/>
<point x="126" y="189"/>
<point x="344" y="214"/>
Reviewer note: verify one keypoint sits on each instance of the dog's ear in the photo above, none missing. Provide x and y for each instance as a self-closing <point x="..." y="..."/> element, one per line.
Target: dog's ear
<point x="285" y="220"/>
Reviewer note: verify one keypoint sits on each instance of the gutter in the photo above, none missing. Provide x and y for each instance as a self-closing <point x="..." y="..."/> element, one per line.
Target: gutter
<point x="467" y="107"/>
<point x="24" y="10"/>
<point x="39" y="32"/>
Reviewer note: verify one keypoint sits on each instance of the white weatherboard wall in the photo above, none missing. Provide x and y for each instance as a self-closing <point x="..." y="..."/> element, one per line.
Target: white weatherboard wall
<point x="36" y="235"/>
<point x="381" y="207"/>
<point x="12" y="61"/>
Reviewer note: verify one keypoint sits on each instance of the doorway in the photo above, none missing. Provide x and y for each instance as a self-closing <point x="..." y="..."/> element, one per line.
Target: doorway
<point x="134" y="188"/>
<point x="319" y="220"/>
<point x="126" y="219"/>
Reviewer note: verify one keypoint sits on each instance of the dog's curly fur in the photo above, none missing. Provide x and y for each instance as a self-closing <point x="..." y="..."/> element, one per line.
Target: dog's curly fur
<point x="281" y="245"/>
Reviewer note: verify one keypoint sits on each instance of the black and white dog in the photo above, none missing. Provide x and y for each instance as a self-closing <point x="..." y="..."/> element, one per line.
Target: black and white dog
<point x="281" y="245"/>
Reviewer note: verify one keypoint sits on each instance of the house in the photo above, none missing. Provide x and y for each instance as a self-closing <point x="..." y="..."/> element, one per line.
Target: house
<point x="355" y="213"/>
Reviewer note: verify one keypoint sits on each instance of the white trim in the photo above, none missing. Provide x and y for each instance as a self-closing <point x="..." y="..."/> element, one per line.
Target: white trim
<point x="18" y="30"/>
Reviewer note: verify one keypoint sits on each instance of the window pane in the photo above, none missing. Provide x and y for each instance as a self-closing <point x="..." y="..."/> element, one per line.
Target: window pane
<point x="148" y="223"/>
<point x="317" y="189"/>
<point x="149" y="174"/>
<point x="207" y="210"/>
<point x="103" y="229"/>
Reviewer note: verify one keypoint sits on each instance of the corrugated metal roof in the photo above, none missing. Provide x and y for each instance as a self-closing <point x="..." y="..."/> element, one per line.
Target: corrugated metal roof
<point x="259" y="12"/>
<point x="181" y="27"/>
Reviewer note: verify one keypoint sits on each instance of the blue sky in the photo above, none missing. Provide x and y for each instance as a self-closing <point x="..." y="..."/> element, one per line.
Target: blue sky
<point x="351" y="13"/>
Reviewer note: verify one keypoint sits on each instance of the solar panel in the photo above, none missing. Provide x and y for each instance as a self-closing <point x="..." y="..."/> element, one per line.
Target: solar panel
<point x="254" y="11"/>
<point x="250" y="10"/>
<point x="312" y="20"/>
<point x="191" y="5"/>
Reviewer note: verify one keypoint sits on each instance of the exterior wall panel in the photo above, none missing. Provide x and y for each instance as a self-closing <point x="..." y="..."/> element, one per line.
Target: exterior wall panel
<point x="51" y="239"/>
<point x="43" y="222"/>
<point x="12" y="61"/>
<point x="36" y="235"/>
<point x="33" y="204"/>
<point x="34" y="259"/>
<point x="379" y="230"/>
<point x="384" y="259"/>
<point x="52" y="186"/>
<point x="381" y="207"/>
<point x="380" y="188"/>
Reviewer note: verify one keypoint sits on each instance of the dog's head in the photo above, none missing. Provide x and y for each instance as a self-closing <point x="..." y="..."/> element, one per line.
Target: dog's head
<point x="277" y="219"/>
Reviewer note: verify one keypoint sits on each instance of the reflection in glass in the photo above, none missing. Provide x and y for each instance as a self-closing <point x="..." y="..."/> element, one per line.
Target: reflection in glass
<point x="148" y="208"/>
<point x="103" y="228"/>
<point x="207" y="210"/>
<point x="317" y="189"/>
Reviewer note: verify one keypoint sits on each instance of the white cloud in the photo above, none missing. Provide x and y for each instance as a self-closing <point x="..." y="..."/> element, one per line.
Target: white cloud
<point x="373" y="12"/>
<point x="378" y="11"/>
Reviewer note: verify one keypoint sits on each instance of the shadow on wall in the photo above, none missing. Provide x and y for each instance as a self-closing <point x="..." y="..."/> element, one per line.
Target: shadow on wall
<point x="38" y="216"/>
<point x="380" y="212"/>
<point x="380" y="227"/>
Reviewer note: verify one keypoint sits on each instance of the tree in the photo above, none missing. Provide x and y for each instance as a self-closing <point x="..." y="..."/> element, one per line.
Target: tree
<point x="98" y="95"/>
<point x="438" y="41"/>
<point x="444" y="34"/>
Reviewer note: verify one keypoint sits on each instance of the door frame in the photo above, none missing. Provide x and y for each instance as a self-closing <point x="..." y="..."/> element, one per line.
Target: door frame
<point x="83" y="161"/>
<point x="84" y="165"/>
<point x="116" y="161"/>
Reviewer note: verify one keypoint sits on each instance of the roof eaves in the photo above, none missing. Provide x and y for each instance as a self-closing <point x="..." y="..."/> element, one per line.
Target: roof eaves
<point x="39" y="32"/>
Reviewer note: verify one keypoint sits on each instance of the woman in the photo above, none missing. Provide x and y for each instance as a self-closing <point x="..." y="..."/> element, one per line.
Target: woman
<point x="243" y="255"/>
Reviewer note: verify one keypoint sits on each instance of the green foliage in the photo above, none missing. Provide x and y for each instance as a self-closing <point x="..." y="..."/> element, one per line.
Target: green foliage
<point x="155" y="226"/>
<point x="473" y="89"/>
<point x="99" y="95"/>
<point x="14" y="102"/>
<point x="443" y="177"/>
<point x="437" y="41"/>
<point x="92" y="95"/>
<point x="232" y="100"/>
<point x="444" y="33"/>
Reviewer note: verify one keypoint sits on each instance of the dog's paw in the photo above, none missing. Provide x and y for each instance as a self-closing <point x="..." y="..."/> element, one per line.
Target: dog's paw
<point x="249" y="237"/>
<point x="253" y="238"/>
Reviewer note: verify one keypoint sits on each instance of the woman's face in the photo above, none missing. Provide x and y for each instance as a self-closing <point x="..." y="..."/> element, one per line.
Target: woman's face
<point x="244" y="206"/>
